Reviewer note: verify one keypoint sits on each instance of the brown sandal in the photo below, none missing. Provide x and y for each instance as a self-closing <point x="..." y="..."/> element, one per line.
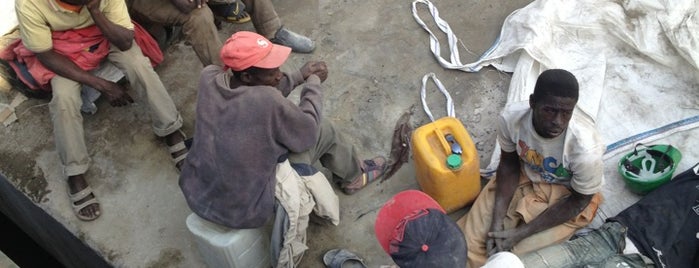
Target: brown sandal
<point x="372" y="170"/>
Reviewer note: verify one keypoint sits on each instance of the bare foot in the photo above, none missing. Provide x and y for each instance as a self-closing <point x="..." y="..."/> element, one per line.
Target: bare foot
<point x="90" y="212"/>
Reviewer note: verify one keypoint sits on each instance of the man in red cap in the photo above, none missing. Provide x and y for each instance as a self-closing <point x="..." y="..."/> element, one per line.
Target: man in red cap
<point x="245" y="126"/>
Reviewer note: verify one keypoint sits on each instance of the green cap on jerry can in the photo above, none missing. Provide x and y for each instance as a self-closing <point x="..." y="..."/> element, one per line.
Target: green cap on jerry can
<point x="454" y="161"/>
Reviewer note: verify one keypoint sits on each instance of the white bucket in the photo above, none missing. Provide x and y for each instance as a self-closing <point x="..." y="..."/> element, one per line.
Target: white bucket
<point x="221" y="246"/>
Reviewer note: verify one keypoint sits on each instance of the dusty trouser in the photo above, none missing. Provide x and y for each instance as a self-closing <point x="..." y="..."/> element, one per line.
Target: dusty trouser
<point x="197" y="26"/>
<point x="599" y="248"/>
<point x="529" y="200"/>
<point x="66" y="102"/>
<point x="333" y="153"/>
<point x="262" y="15"/>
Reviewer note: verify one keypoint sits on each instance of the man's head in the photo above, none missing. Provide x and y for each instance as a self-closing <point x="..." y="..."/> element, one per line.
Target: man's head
<point x="416" y="232"/>
<point x="254" y="59"/>
<point x="554" y="98"/>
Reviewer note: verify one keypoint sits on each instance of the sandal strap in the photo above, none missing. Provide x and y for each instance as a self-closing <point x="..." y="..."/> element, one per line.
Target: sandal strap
<point x="176" y="147"/>
<point x="80" y="207"/>
<point x="180" y="145"/>
<point x="80" y="195"/>
<point x="370" y="176"/>
<point x="180" y="158"/>
<point x="365" y="178"/>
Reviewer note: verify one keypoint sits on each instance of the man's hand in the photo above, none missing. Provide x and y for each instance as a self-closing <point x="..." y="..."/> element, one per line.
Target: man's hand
<point x="116" y="94"/>
<point x="63" y="66"/>
<point x="187" y="6"/>
<point x="491" y="243"/>
<point x="118" y="35"/>
<point x="504" y="240"/>
<point x="315" y="67"/>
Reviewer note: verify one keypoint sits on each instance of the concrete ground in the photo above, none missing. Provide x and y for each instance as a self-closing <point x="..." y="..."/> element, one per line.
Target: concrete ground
<point x="6" y="261"/>
<point x="376" y="54"/>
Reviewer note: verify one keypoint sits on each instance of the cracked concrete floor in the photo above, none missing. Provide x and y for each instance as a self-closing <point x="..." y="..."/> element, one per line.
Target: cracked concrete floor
<point x="376" y="54"/>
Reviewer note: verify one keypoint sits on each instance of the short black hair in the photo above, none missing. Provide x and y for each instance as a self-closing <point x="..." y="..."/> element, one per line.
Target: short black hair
<point x="556" y="82"/>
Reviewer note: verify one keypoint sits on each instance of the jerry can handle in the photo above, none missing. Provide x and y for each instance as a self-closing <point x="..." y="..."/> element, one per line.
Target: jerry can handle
<point x="443" y="141"/>
<point x="450" y="103"/>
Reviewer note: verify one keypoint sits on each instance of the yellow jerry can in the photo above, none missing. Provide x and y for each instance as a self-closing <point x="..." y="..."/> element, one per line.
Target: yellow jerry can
<point x="446" y="163"/>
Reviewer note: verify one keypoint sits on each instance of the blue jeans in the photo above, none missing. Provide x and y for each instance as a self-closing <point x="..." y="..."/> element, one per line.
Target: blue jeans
<point x="600" y="248"/>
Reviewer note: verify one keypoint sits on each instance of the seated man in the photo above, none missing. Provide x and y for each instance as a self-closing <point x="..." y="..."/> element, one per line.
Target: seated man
<point x="113" y="31"/>
<point x="660" y="230"/>
<point x="198" y="26"/>
<point x="245" y="126"/>
<point x="549" y="176"/>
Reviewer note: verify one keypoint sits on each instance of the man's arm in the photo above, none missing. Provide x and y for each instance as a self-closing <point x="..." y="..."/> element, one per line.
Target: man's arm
<point x="557" y="214"/>
<point x="507" y="179"/>
<point x="119" y="36"/>
<point x="291" y="80"/>
<point x="62" y="66"/>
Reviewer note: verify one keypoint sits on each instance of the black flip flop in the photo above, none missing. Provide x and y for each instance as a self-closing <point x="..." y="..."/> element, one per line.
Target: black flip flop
<point x="342" y="258"/>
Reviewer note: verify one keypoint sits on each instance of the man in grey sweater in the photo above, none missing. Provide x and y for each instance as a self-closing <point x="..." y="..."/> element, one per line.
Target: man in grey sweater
<point x="245" y="125"/>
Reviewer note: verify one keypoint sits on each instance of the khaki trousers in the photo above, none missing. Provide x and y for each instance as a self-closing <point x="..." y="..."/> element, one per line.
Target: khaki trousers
<point x="68" y="121"/>
<point x="530" y="200"/>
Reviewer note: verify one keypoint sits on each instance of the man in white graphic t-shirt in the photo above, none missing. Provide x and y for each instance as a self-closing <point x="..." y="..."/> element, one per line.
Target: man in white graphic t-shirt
<point x="549" y="178"/>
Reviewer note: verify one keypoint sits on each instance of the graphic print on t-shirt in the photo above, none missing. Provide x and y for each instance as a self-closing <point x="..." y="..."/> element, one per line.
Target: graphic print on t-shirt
<point x="549" y="167"/>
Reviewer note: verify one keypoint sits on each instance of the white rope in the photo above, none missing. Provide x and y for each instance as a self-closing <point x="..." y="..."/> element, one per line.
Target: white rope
<point x="450" y="103"/>
<point x="454" y="61"/>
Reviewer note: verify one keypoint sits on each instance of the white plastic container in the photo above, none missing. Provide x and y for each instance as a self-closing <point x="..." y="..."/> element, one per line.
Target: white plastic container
<point x="221" y="246"/>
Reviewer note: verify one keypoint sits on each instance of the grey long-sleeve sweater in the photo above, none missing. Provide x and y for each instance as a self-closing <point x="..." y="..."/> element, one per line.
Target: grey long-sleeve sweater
<point x="240" y="134"/>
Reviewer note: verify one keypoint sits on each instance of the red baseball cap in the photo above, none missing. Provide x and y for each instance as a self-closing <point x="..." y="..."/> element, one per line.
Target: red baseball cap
<point x="247" y="49"/>
<point x="396" y="210"/>
<point x="416" y="232"/>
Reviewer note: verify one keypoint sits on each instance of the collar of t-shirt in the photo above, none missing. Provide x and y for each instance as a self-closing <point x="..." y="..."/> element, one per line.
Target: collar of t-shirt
<point x="68" y="7"/>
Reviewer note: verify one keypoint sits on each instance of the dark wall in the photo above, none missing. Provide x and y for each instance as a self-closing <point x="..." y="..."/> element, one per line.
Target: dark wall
<point x="45" y="230"/>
